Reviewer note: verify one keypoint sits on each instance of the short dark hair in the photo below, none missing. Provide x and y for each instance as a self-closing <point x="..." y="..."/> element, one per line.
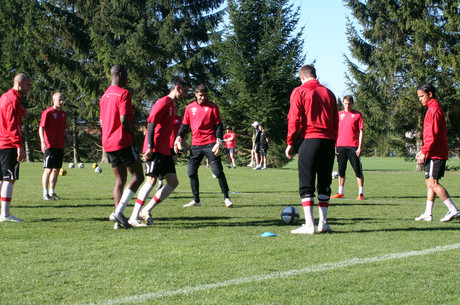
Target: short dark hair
<point x="308" y="71"/>
<point x="262" y="125"/>
<point x="349" y="98"/>
<point x="201" y="88"/>
<point x="427" y="87"/>
<point x="179" y="81"/>
<point x="228" y="127"/>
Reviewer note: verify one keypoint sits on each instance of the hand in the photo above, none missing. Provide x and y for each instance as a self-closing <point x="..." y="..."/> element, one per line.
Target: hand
<point x="21" y="154"/>
<point x="43" y="147"/>
<point x="358" y="152"/>
<point x="147" y="155"/>
<point x="289" y="152"/>
<point x="216" y="149"/>
<point x="177" y="144"/>
<point x="420" y="158"/>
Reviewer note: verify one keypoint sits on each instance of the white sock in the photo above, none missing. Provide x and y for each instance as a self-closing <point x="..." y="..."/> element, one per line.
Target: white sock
<point x="450" y="205"/>
<point x="429" y="208"/>
<point x="51" y="192"/>
<point x="361" y="190"/>
<point x="45" y="193"/>
<point x="159" y="197"/>
<point x="125" y="198"/>
<point x="6" y="194"/>
<point x="341" y="189"/>
<point x="307" y="204"/>
<point x="142" y="196"/>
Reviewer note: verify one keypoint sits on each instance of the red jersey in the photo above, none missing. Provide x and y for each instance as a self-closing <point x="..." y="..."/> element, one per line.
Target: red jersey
<point x="10" y="120"/>
<point x="53" y="122"/>
<point x="162" y="115"/>
<point x="115" y="102"/>
<point x="176" y="127"/>
<point x="314" y="111"/>
<point x="202" y="120"/>
<point x="231" y="139"/>
<point x="350" y="123"/>
<point x="435" y="133"/>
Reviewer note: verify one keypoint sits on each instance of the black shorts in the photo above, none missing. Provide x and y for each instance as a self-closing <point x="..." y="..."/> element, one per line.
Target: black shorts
<point x="257" y="148"/>
<point x="346" y="153"/>
<point x="434" y="168"/>
<point x="263" y="150"/>
<point x="159" y="164"/>
<point x="53" y="158"/>
<point x="126" y="156"/>
<point x="173" y="153"/>
<point x="9" y="164"/>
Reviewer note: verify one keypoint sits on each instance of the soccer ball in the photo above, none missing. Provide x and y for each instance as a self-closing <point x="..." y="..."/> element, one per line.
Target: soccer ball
<point x="95" y="165"/>
<point x="290" y="215"/>
<point x="98" y="170"/>
<point x="62" y="172"/>
<point x="71" y="165"/>
<point x="81" y="165"/>
<point x="335" y="175"/>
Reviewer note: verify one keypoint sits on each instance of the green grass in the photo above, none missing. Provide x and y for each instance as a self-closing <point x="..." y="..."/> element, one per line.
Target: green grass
<point x="66" y="252"/>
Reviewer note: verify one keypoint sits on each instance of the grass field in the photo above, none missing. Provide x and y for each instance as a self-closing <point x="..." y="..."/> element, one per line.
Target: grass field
<point x="66" y="252"/>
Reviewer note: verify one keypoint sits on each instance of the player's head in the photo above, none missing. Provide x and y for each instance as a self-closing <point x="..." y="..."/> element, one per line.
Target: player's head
<point x="119" y="75"/>
<point x="307" y="72"/>
<point x="348" y="102"/>
<point x="201" y="93"/>
<point x="255" y="124"/>
<point x="425" y="93"/>
<point x="58" y="99"/>
<point x="261" y="126"/>
<point x="228" y="128"/>
<point x="21" y="83"/>
<point x="180" y="88"/>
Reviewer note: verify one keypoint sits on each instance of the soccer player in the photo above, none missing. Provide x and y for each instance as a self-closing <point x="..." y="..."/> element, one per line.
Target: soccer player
<point x="157" y="153"/>
<point x="349" y="145"/>
<point x="52" y="131"/>
<point x="230" y="139"/>
<point x="116" y="118"/>
<point x="203" y="118"/>
<point x="434" y="153"/>
<point x="11" y="142"/>
<point x="314" y="112"/>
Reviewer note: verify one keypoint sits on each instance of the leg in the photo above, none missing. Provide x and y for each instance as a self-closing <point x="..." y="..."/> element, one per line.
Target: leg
<point x="217" y="170"/>
<point x="120" y="182"/>
<point x="45" y="181"/>
<point x="53" y="180"/>
<point x="194" y="162"/>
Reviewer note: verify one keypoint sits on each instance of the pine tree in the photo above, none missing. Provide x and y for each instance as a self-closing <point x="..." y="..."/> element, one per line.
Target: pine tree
<point x="259" y="55"/>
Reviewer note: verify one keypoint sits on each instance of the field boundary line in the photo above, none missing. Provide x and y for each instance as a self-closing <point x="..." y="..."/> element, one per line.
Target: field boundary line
<point x="277" y="275"/>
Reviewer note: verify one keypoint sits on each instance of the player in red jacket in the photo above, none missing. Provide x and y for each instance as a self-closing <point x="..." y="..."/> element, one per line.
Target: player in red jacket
<point x="11" y="143"/>
<point x="434" y="153"/>
<point x="52" y="131"/>
<point x="314" y="112"/>
<point x="203" y="118"/>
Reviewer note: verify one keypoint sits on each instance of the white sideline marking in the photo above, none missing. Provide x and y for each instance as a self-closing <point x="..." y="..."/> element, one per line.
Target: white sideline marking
<point x="277" y="275"/>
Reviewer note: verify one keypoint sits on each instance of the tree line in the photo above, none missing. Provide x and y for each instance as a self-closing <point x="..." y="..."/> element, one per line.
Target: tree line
<point x="247" y="52"/>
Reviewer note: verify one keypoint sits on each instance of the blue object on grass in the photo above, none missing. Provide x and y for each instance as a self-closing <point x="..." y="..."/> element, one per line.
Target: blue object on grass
<point x="268" y="234"/>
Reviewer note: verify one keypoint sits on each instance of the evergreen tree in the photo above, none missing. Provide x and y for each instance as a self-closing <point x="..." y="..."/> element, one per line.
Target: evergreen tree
<point x="402" y="44"/>
<point x="259" y="54"/>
